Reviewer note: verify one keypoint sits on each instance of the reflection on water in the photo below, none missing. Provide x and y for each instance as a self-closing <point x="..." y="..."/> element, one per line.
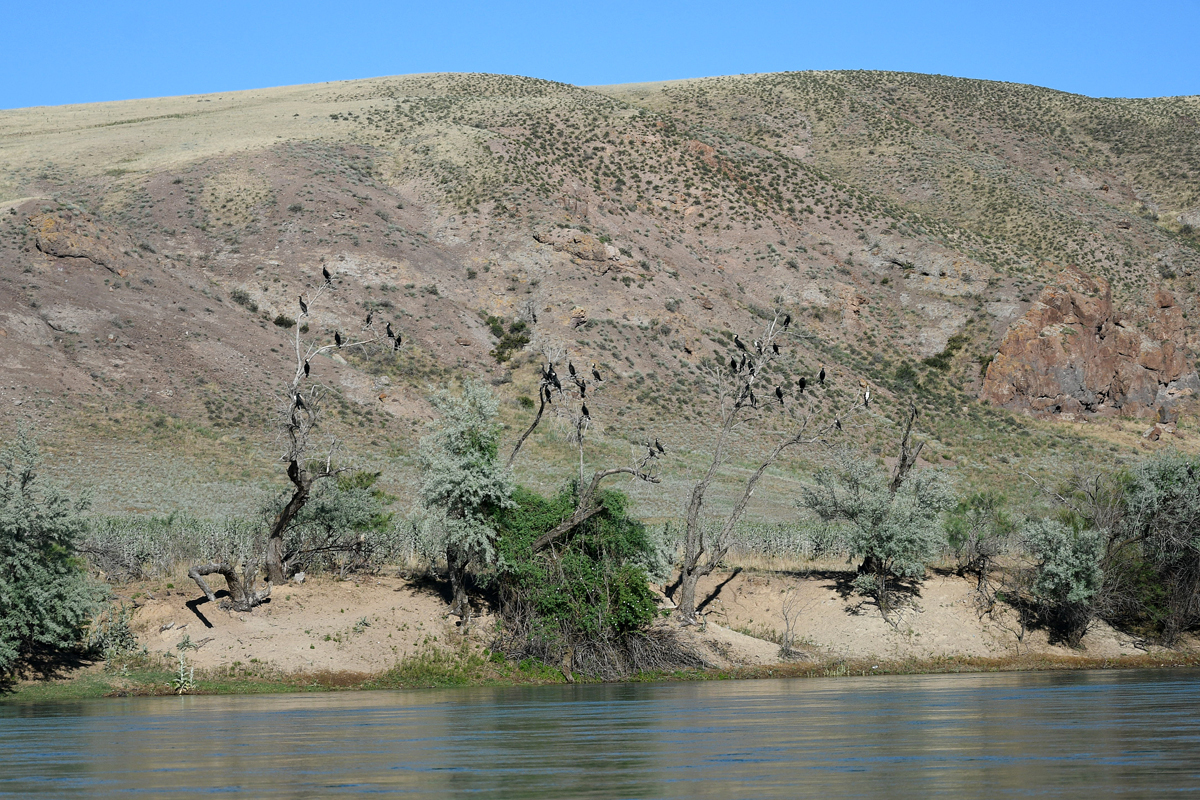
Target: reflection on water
<point x="1133" y="734"/>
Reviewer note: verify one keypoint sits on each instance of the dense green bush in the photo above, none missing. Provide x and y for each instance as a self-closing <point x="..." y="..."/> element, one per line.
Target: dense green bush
<point x="582" y="594"/>
<point x="46" y="598"/>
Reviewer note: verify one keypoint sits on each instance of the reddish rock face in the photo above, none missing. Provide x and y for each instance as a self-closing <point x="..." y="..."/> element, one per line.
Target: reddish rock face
<point x="1072" y="353"/>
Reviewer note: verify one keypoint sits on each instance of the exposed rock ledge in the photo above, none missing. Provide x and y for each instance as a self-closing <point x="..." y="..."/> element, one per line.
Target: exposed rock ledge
<point x="1072" y="353"/>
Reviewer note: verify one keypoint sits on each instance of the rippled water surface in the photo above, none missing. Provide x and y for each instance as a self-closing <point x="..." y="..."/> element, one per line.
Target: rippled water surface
<point x="1089" y="734"/>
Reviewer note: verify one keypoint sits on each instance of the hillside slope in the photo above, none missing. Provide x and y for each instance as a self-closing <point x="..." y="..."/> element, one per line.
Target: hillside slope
<point x="149" y="248"/>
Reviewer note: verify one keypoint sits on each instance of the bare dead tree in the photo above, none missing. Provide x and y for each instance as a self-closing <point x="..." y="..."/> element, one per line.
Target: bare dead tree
<point x="808" y="421"/>
<point x="297" y="422"/>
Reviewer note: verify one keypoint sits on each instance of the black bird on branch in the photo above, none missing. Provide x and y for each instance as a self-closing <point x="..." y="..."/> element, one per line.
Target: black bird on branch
<point x="337" y="338"/>
<point x="390" y="335"/>
<point x="306" y="369"/>
<point x="300" y="403"/>
<point x="583" y="409"/>
<point x="787" y="320"/>
<point x="303" y="307"/>
<point x="546" y="390"/>
<point x="837" y="423"/>
<point x="733" y="365"/>
<point x="370" y="315"/>
<point x="779" y="394"/>
<point x="596" y="373"/>
<point x="395" y="344"/>
<point x="821" y="376"/>
<point x="758" y="346"/>
<point x="739" y="344"/>
<point x="328" y="278"/>
<point x="775" y="348"/>
<point x="802" y="383"/>
<point x="582" y="388"/>
<point x="571" y="369"/>
<point x="658" y="446"/>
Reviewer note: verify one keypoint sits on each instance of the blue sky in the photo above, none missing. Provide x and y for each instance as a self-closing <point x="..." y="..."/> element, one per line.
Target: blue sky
<point x="72" y="52"/>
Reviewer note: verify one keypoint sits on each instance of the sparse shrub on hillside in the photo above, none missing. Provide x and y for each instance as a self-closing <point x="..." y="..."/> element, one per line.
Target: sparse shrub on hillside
<point x="510" y="340"/>
<point x="242" y="298"/>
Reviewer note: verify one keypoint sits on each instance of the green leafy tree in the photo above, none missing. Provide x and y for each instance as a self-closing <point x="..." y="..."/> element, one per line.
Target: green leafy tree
<point x="1066" y="574"/>
<point x="45" y="597"/>
<point x="896" y="529"/>
<point x="464" y="483"/>
<point x="1162" y="514"/>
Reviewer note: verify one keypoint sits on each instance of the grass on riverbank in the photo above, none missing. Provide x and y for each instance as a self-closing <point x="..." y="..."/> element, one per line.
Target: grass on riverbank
<point x="434" y="668"/>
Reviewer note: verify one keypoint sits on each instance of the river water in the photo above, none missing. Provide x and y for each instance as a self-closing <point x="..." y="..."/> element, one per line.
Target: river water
<point x="1079" y="734"/>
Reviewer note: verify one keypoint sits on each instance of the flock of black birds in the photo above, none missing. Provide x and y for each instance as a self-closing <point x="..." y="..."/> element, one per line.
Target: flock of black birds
<point x="392" y="336"/>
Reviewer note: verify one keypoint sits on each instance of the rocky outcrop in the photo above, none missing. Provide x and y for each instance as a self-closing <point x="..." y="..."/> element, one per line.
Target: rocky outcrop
<point x="66" y="235"/>
<point x="1073" y="353"/>
<point x="583" y="246"/>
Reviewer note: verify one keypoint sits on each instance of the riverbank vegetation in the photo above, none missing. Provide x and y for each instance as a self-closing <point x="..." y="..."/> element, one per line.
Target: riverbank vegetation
<point x="574" y="587"/>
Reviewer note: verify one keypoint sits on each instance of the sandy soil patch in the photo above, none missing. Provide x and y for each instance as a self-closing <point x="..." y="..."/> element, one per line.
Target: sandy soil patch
<point x="368" y="625"/>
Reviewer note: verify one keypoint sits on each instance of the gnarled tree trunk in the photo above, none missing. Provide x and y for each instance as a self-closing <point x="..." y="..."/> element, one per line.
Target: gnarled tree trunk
<point x="242" y="596"/>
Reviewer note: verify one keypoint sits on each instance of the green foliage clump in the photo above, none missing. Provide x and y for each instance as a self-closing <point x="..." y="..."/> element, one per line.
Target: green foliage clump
<point x="343" y="526"/>
<point x="509" y="341"/>
<point x="46" y="599"/>
<point x="592" y="585"/>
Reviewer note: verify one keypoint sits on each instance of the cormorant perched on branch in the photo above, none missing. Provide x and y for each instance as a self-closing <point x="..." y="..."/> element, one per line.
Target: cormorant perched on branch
<point x="300" y="402"/>
<point x="837" y="423"/>
<point x="821" y="376"/>
<point x="583" y="410"/>
<point x="337" y="338"/>
<point x="779" y="394"/>
<point x="571" y="369"/>
<point x="546" y="389"/>
<point x="293" y="471"/>
<point x="306" y="368"/>
<point x="370" y="314"/>
<point x="802" y="383"/>
<point x="658" y="446"/>
<point x="303" y="307"/>
<point x="328" y="278"/>
<point x="582" y="384"/>
<point x="596" y="373"/>
<point x="775" y="348"/>
<point x="390" y="335"/>
<point x="742" y="366"/>
<point x="396" y="344"/>
<point x="753" y="400"/>
<point x="733" y="367"/>
<point x="554" y="379"/>
<point x="739" y="344"/>
<point x="787" y="320"/>
<point x="758" y="346"/>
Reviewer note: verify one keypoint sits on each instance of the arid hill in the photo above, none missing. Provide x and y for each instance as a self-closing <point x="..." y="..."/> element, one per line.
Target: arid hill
<point x="152" y="253"/>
